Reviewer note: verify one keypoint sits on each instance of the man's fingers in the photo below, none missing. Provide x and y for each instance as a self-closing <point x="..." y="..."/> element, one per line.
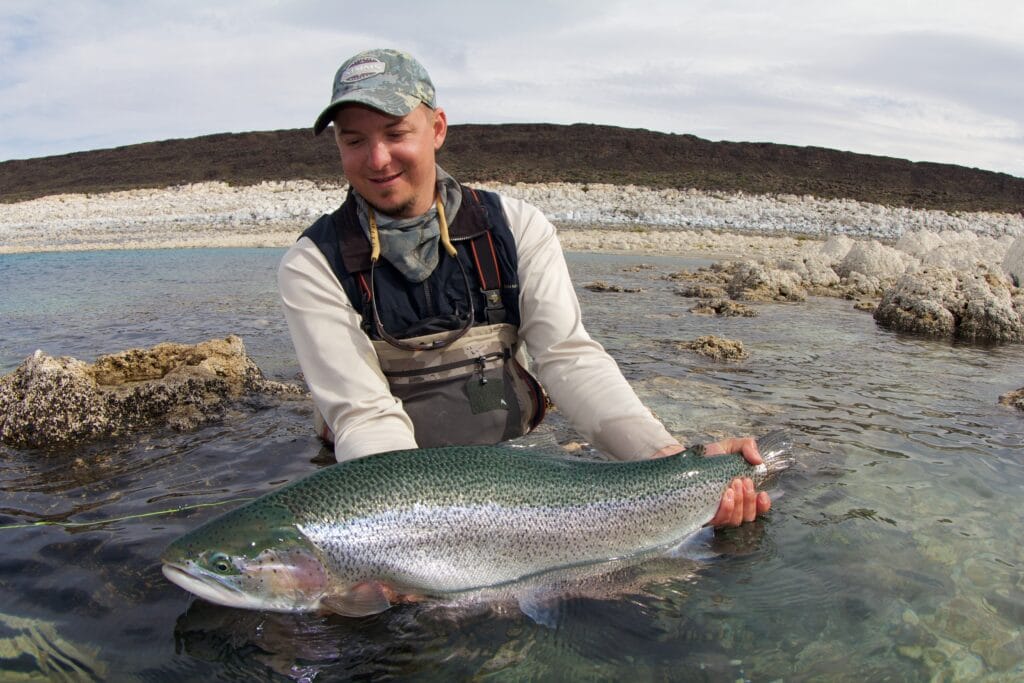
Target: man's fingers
<point x="740" y="503"/>
<point x="746" y="446"/>
<point x="724" y="512"/>
<point x="749" y="501"/>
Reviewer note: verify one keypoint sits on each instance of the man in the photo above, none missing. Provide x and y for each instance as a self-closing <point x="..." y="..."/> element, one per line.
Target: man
<point x="409" y="306"/>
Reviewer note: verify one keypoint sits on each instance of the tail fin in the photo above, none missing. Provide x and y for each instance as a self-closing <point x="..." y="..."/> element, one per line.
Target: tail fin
<point x="776" y="451"/>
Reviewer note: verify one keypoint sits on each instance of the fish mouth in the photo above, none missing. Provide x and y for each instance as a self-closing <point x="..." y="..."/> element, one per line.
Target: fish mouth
<point x="209" y="588"/>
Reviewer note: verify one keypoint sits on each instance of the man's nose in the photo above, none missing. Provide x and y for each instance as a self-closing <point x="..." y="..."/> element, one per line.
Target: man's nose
<point x="380" y="156"/>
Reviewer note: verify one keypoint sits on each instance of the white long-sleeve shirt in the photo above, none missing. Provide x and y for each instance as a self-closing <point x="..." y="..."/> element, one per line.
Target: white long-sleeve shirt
<point x="343" y="374"/>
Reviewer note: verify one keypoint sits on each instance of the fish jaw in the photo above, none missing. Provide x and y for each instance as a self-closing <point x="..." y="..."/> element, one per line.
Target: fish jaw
<point x="294" y="580"/>
<point x="211" y="588"/>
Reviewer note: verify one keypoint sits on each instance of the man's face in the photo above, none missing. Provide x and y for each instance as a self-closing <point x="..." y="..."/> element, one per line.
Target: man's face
<point x="390" y="160"/>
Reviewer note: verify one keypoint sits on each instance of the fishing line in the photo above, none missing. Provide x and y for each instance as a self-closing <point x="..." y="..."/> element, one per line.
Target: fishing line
<point x="155" y="513"/>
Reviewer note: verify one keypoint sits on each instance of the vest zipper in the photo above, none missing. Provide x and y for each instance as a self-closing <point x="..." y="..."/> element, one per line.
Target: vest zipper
<point x="479" y="360"/>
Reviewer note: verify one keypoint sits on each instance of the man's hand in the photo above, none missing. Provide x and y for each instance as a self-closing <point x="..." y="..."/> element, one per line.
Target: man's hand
<point x="740" y="503"/>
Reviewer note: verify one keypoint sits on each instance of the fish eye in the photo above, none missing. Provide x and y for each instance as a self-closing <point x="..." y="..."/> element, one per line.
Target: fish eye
<point x="221" y="563"/>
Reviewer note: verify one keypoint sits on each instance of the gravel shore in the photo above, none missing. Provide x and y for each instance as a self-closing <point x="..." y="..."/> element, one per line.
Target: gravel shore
<point x="590" y="217"/>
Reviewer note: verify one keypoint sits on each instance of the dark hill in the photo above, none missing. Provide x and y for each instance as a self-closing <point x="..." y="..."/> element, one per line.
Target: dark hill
<point x="533" y="153"/>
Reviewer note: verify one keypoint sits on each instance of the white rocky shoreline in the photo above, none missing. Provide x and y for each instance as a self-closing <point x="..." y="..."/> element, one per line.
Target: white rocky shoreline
<point x="271" y="214"/>
<point x="952" y="274"/>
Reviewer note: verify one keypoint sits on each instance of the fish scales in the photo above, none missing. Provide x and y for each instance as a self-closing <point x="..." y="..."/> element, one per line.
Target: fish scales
<point x="449" y="520"/>
<point x="445" y="524"/>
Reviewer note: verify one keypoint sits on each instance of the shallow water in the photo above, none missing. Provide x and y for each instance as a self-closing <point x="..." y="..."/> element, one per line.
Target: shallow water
<point x="892" y="552"/>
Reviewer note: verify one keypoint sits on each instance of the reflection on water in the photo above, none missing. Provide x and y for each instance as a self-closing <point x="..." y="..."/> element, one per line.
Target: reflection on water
<point x="891" y="553"/>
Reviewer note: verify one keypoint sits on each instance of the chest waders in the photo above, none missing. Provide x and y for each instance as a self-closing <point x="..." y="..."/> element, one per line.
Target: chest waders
<point x="449" y="346"/>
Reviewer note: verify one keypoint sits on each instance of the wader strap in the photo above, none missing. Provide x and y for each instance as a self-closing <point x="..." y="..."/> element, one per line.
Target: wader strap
<point x="486" y="262"/>
<point x="365" y="287"/>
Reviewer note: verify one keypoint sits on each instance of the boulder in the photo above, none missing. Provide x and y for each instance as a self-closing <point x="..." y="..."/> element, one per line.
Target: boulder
<point x="753" y="281"/>
<point x="980" y="306"/>
<point x="875" y="261"/>
<point x="836" y="248"/>
<point x="919" y="242"/>
<point x="815" y="270"/>
<point x="966" y="253"/>
<point x="60" y="402"/>
<point x="1013" y="263"/>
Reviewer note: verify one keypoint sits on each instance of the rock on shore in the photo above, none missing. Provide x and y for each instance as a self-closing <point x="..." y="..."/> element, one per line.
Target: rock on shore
<point x="954" y="285"/>
<point x="973" y="306"/>
<point x="52" y="402"/>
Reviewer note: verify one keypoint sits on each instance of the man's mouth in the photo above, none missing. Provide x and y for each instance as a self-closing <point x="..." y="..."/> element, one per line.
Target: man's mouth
<point x="383" y="180"/>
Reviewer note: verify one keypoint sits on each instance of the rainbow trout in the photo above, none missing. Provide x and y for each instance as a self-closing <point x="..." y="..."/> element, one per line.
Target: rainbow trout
<point x="358" y="536"/>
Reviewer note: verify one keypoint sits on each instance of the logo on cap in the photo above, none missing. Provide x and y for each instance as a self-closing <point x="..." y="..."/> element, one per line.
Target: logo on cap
<point x="361" y="70"/>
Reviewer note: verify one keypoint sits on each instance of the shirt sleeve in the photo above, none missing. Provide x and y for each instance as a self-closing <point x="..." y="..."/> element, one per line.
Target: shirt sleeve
<point x="337" y="359"/>
<point x="582" y="379"/>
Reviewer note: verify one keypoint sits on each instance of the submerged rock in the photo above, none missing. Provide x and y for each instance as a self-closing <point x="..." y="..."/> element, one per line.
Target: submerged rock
<point x="602" y="286"/>
<point x="724" y="308"/>
<point x="699" y="290"/>
<point x="59" y="402"/>
<point x="35" y="650"/>
<point x="977" y="306"/>
<point x="717" y="348"/>
<point x="1013" y="398"/>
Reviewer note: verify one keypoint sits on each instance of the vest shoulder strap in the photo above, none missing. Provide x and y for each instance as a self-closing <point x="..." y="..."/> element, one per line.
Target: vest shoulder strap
<point x="329" y="235"/>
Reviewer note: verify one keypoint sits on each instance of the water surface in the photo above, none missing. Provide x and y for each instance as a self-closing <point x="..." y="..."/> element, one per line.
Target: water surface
<point x="892" y="552"/>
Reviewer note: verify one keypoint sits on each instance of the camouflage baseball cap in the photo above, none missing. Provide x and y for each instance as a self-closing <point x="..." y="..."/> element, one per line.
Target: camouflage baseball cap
<point x="388" y="80"/>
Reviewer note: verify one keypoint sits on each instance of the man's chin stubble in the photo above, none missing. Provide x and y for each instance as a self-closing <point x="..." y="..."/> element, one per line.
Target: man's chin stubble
<point x="398" y="211"/>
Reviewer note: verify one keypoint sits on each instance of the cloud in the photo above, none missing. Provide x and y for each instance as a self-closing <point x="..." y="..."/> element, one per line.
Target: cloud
<point x="926" y="81"/>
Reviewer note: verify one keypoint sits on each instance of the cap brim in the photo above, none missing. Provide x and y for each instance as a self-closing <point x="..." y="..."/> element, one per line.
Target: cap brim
<point x="388" y="103"/>
<point x="325" y="118"/>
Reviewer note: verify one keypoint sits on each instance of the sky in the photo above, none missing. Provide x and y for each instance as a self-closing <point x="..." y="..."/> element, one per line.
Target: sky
<point x="932" y="80"/>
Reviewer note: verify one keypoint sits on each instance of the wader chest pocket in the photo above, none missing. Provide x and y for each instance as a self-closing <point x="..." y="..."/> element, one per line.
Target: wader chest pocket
<point x="472" y="392"/>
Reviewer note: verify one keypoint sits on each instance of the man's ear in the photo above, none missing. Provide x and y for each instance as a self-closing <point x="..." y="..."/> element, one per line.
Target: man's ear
<point x="440" y="128"/>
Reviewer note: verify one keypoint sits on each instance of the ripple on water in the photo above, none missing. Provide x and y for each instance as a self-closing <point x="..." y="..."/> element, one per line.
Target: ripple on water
<point x="888" y="554"/>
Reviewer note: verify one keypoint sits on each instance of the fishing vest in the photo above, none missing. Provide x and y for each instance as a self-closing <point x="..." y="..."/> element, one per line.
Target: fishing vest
<point x="464" y="379"/>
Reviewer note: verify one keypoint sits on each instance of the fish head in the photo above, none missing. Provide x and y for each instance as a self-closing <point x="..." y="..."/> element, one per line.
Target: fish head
<point x="254" y="557"/>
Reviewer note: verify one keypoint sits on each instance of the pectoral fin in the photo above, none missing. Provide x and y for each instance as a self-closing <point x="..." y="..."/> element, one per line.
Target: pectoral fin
<point x="543" y="608"/>
<point x="360" y="600"/>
